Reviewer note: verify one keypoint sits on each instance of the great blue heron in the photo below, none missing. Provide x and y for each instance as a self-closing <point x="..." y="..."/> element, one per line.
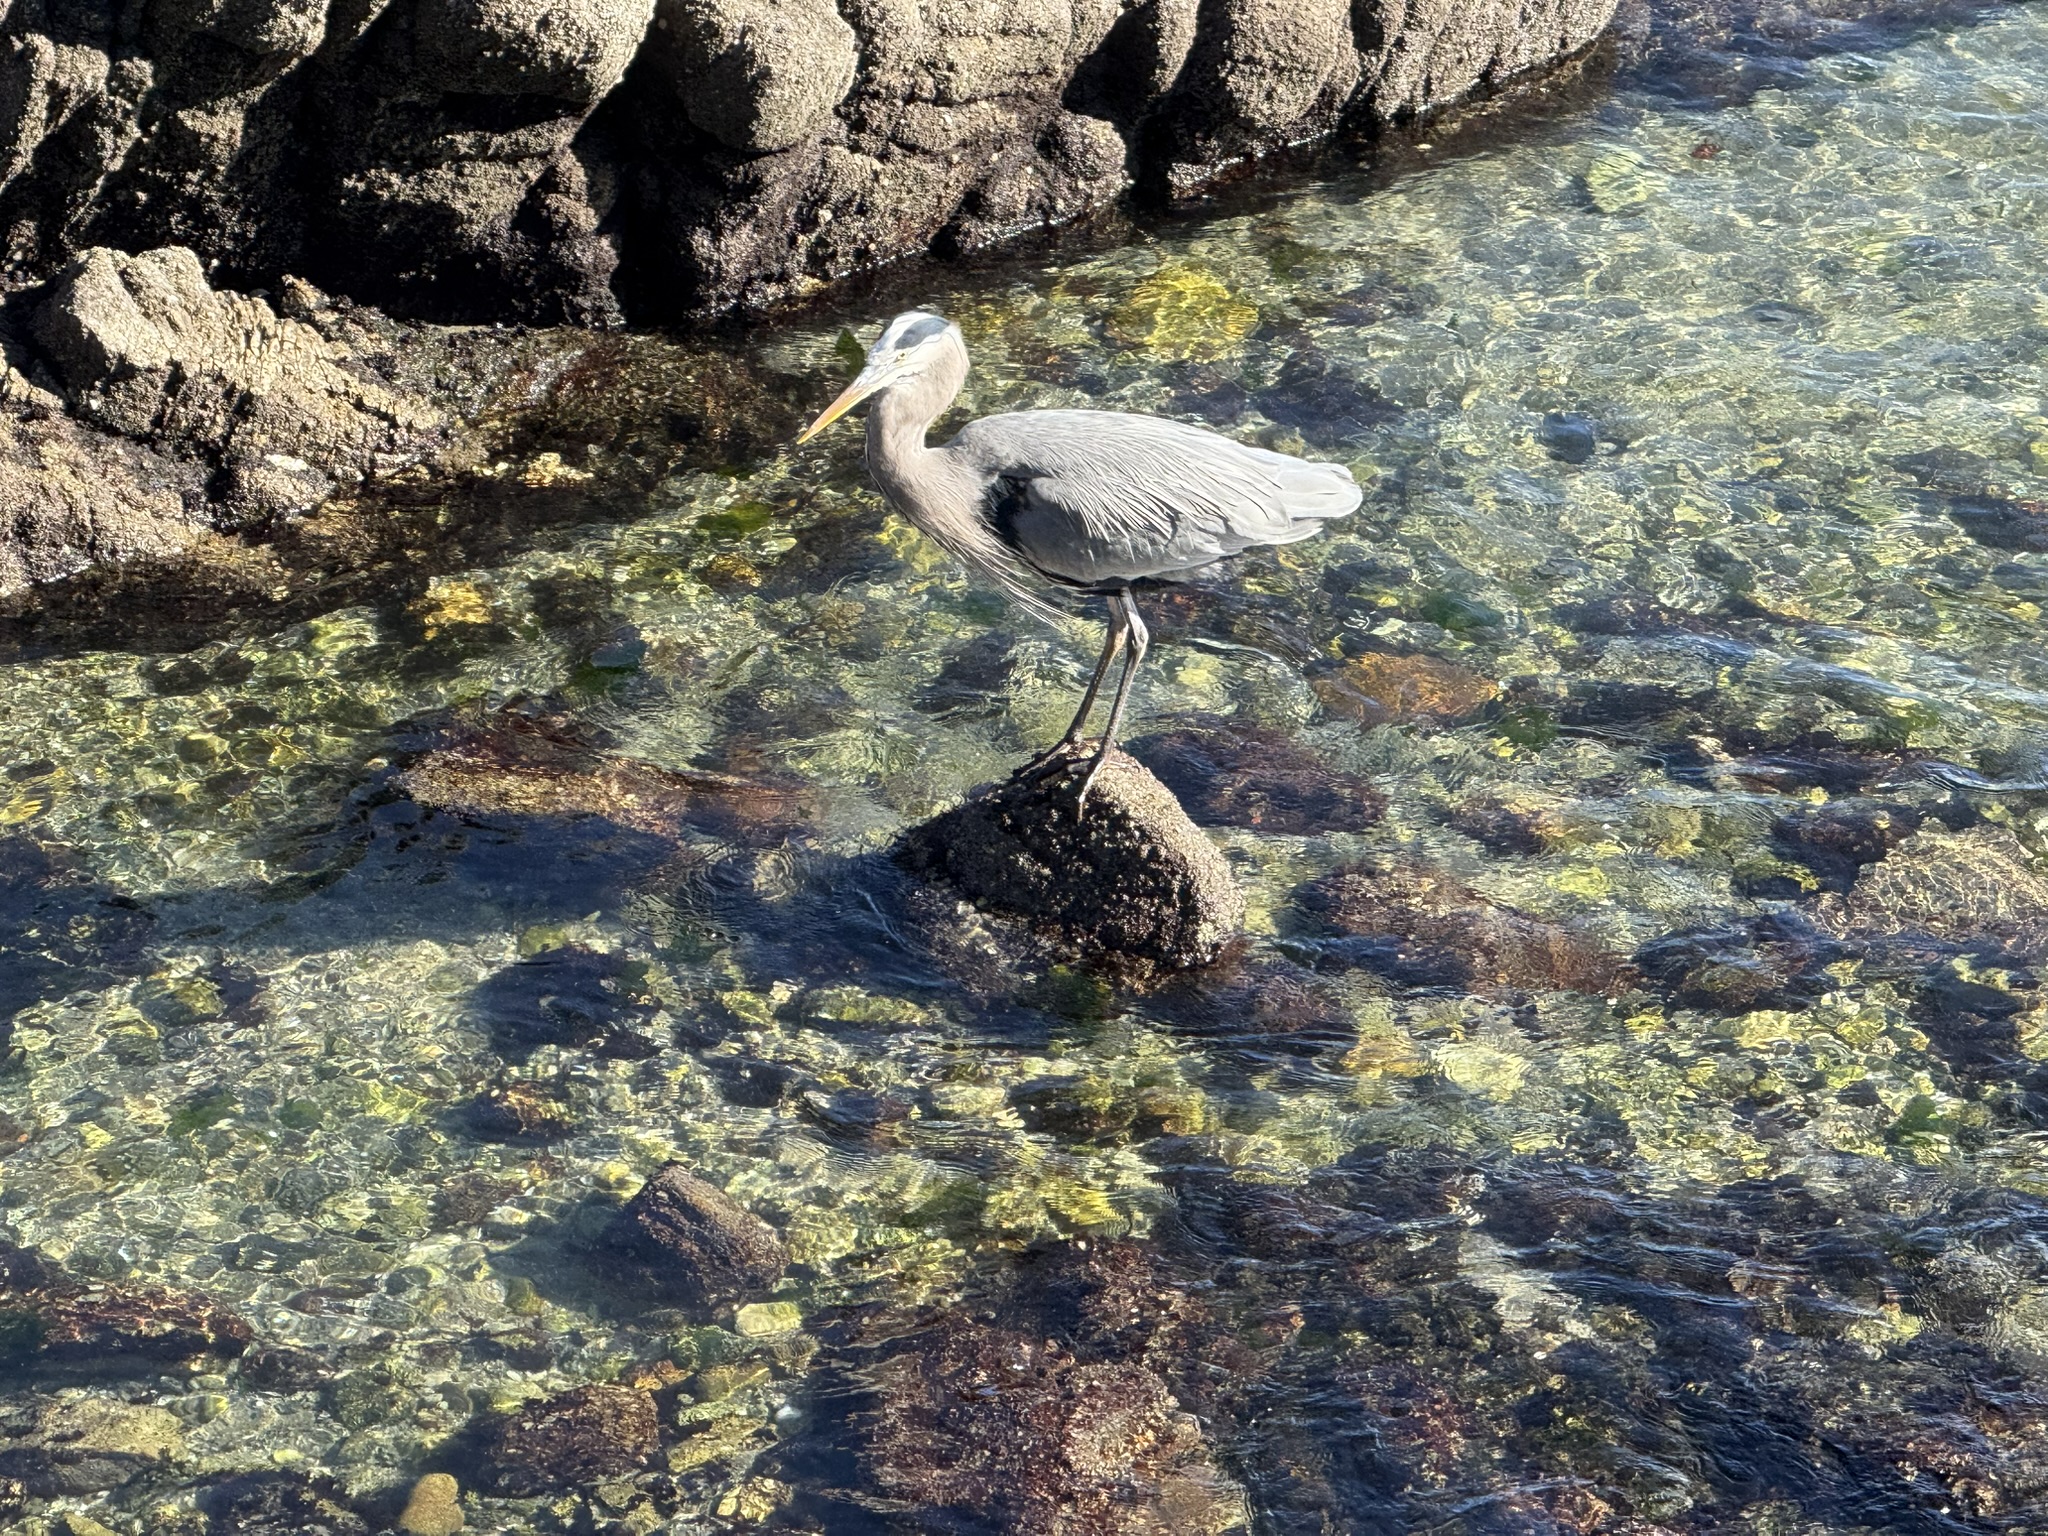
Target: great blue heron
<point x="1089" y="501"/>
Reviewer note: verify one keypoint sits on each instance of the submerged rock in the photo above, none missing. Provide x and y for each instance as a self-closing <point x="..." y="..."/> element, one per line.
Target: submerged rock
<point x="581" y="1436"/>
<point x="1424" y="927"/>
<point x="692" y="1243"/>
<point x="522" y="1111"/>
<point x="520" y="763"/>
<point x="78" y="1445"/>
<point x="279" y="1504"/>
<point x="571" y="995"/>
<point x="53" y="1320"/>
<point x="1050" y="1411"/>
<point x="1238" y="776"/>
<point x="1379" y="689"/>
<point x="433" y="1508"/>
<point x="1132" y="882"/>
<point x="1980" y="888"/>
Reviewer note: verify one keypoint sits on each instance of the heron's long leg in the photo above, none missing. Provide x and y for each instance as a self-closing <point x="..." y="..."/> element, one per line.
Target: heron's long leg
<point x="1112" y="643"/>
<point x="1140" y="638"/>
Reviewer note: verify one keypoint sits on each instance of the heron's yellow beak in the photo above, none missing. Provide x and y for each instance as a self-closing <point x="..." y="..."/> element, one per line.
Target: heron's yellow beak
<point x="870" y="380"/>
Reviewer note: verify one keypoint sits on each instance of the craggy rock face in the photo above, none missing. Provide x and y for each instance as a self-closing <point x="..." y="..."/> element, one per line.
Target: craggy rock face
<point x="497" y="159"/>
<point x="213" y="410"/>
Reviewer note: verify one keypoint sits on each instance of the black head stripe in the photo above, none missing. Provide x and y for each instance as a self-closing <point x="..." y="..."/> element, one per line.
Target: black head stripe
<point x="921" y="330"/>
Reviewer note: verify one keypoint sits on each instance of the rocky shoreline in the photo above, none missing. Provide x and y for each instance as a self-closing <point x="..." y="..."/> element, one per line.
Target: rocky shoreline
<point x="626" y="160"/>
<point x="212" y="215"/>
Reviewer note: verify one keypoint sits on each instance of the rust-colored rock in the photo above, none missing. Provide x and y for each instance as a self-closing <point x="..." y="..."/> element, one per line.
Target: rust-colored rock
<point x="1381" y="689"/>
<point x="1052" y="1414"/>
<point x="51" y="1319"/>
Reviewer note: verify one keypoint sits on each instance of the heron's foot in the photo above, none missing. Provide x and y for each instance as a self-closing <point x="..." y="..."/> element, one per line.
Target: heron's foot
<point x="1088" y="781"/>
<point x="1055" y="756"/>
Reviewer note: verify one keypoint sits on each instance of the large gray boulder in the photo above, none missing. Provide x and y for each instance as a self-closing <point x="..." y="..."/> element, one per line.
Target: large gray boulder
<point x="144" y="347"/>
<point x="142" y="409"/>
<point x="596" y="160"/>
<point x="756" y="75"/>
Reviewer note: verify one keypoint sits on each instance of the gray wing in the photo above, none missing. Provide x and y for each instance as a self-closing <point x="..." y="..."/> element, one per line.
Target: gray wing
<point x="1101" y="496"/>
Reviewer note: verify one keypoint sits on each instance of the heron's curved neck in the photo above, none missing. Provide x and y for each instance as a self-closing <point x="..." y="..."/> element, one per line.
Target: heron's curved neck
<point x="913" y="475"/>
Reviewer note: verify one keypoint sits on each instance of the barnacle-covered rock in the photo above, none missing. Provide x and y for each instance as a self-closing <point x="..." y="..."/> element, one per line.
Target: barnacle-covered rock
<point x="1131" y="882"/>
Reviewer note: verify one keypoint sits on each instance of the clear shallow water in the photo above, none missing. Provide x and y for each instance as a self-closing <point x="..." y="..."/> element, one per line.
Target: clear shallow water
<point x="1635" y="1126"/>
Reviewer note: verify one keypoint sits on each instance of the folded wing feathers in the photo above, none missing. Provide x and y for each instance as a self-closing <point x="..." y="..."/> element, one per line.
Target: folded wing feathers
<point x="1122" y="475"/>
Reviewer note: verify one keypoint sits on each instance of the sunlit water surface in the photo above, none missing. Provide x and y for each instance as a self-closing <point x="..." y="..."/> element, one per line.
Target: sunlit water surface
<point x="1707" y="504"/>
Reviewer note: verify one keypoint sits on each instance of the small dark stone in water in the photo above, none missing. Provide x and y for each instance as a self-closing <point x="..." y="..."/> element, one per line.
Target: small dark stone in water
<point x="1996" y="523"/>
<point x="1214" y="396"/>
<point x="1324" y="402"/>
<point x="1776" y="961"/>
<point x="524" y="1349"/>
<point x="466" y="1199"/>
<point x="974" y="680"/>
<point x="751" y="1081"/>
<point x="692" y="1243"/>
<point x="1569" y="437"/>
<point x="1238" y="776"/>
<point x="586" y="1435"/>
<point x="279" y="1368"/>
<point x="1072" y="1106"/>
<point x="623" y="652"/>
<point x="1835" y="841"/>
<point x="1503" y="829"/>
<point x="1087" y="885"/>
<point x="2030" y="580"/>
<point x="1948" y="469"/>
<point x="856" y="1111"/>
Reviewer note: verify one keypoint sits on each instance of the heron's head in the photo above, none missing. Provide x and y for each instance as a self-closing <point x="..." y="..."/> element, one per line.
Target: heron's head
<point x="914" y="345"/>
